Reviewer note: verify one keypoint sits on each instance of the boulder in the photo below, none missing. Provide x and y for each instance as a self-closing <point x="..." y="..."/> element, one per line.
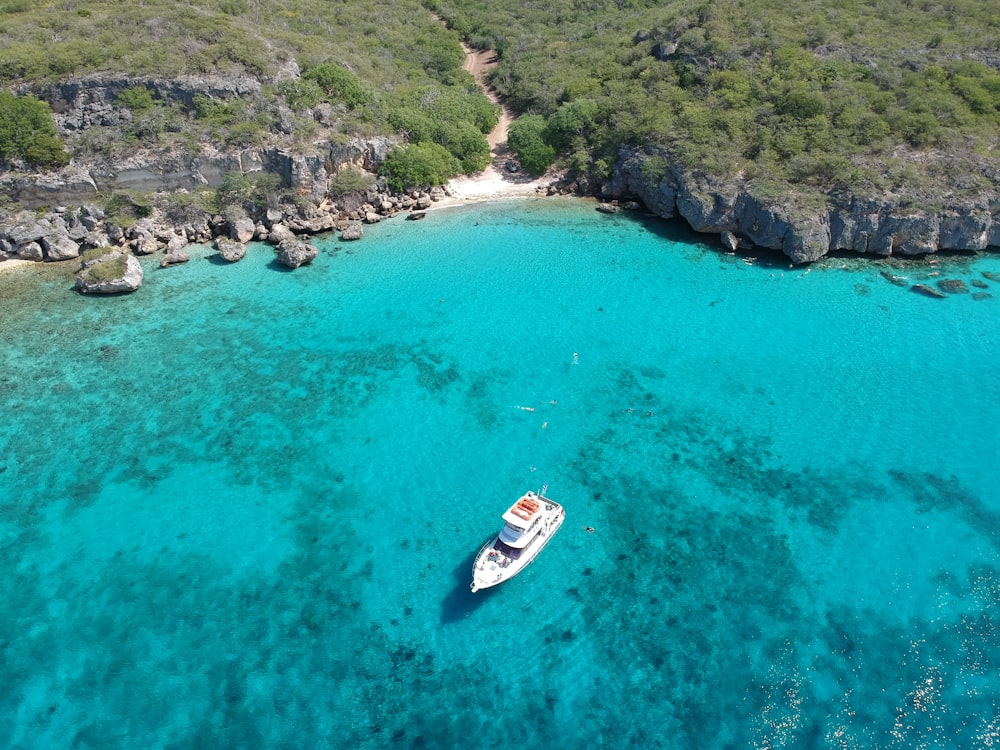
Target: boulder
<point x="294" y="253"/>
<point x="176" y="244"/>
<point x="730" y="241"/>
<point x="115" y="273"/>
<point x="59" y="246"/>
<point x="22" y="234"/>
<point x="115" y="233"/>
<point x="664" y="50"/>
<point x="230" y="250"/>
<point x="30" y="251"/>
<point x="352" y="232"/>
<point x="416" y="215"/>
<point x="242" y="230"/>
<point x="372" y="218"/>
<point x="146" y="244"/>
<point x="279" y="233"/>
<point x="607" y="208"/>
<point x="174" y="258"/>
<point x="94" y="239"/>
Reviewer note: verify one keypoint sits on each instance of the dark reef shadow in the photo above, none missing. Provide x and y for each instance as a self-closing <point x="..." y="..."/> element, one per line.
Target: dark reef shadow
<point x="461" y="602"/>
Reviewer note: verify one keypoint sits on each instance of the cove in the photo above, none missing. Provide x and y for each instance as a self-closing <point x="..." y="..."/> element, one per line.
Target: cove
<point x="238" y="508"/>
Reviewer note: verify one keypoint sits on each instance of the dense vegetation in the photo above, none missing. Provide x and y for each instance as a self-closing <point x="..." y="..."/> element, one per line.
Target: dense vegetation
<point x="868" y="96"/>
<point x="365" y="69"/>
<point x="821" y="93"/>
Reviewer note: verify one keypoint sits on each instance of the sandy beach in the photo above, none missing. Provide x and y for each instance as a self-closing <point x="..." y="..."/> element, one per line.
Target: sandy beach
<point x="12" y="263"/>
<point x="491" y="184"/>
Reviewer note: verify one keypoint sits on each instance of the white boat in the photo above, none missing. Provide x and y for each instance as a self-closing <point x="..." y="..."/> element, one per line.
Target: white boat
<point x="528" y="526"/>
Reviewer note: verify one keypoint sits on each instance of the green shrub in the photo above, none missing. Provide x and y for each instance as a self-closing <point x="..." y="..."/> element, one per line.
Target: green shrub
<point x="350" y="180"/>
<point x="106" y="270"/>
<point x="338" y="82"/>
<point x="236" y="189"/>
<point x="526" y="140"/>
<point x="187" y="206"/>
<point x="124" y="208"/>
<point x="253" y="193"/>
<point x="571" y="121"/>
<point x="137" y="98"/>
<point x="418" y="165"/>
<point x="304" y="94"/>
<point x="27" y="132"/>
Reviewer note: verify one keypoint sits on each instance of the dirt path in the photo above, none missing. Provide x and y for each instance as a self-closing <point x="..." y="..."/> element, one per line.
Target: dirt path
<point x="495" y="181"/>
<point x="479" y="63"/>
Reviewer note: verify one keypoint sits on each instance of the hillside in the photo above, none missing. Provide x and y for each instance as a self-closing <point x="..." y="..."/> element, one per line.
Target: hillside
<point x="807" y="126"/>
<point x="827" y="93"/>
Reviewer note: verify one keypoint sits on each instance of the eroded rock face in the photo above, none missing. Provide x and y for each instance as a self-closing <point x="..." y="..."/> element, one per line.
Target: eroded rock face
<point x="117" y="272"/>
<point x="294" y="253"/>
<point x="865" y="225"/>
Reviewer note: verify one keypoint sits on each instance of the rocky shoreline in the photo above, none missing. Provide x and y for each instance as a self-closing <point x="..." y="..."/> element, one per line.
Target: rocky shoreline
<point x="86" y="233"/>
<point x="61" y="218"/>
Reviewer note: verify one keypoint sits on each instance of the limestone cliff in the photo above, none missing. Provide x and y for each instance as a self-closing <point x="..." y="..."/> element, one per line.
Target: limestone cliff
<point x="891" y="225"/>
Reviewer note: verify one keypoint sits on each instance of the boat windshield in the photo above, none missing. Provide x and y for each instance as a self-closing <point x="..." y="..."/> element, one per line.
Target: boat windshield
<point x="512" y="552"/>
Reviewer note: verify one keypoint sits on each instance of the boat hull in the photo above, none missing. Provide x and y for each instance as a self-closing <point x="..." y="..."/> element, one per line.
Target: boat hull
<point x="492" y="567"/>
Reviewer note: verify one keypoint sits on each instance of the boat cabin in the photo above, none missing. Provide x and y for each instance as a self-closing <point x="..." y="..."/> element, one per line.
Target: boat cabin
<point x="520" y="518"/>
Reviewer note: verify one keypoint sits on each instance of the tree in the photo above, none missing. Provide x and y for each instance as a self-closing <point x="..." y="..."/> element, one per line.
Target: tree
<point x="339" y="82"/>
<point x="418" y="165"/>
<point x="571" y="121"/>
<point x="27" y="132"/>
<point x="525" y="139"/>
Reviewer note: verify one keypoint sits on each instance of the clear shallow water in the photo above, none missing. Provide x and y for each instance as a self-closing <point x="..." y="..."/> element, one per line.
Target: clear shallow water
<point x="238" y="508"/>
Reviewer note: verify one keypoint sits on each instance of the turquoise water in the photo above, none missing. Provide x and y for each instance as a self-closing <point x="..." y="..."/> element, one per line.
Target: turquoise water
<point x="238" y="508"/>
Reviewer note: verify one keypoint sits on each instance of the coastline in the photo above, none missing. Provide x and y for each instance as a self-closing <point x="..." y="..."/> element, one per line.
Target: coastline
<point x="490" y="185"/>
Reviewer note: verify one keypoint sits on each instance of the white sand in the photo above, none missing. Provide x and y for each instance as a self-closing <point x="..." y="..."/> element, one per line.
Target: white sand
<point x="12" y="263"/>
<point x="489" y="185"/>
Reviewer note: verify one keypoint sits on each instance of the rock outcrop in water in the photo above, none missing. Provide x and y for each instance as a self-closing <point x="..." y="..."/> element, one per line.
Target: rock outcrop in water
<point x="230" y="251"/>
<point x="294" y="253"/>
<point x="116" y="272"/>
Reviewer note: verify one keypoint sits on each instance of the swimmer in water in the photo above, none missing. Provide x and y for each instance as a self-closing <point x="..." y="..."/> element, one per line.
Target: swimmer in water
<point x="589" y="529"/>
